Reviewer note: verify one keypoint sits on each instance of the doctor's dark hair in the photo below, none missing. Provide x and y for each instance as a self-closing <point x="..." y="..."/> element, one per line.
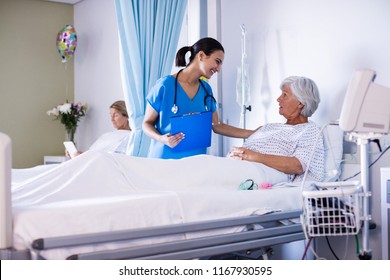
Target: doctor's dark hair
<point x="207" y="45"/>
<point x="306" y="91"/>
<point x="120" y="106"/>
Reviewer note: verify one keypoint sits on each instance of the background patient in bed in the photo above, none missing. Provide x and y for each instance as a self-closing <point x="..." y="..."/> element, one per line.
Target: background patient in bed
<point x="115" y="141"/>
<point x="111" y="142"/>
<point x="288" y="147"/>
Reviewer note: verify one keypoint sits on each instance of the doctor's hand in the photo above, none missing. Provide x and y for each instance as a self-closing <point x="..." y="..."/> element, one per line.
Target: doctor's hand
<point x="172" y="140"/>
<point x="241" y="154"/>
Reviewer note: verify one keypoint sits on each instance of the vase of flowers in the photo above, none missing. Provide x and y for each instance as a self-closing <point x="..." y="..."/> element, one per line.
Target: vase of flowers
<point x="69" y="114"/>
<point x="70" y="133"/>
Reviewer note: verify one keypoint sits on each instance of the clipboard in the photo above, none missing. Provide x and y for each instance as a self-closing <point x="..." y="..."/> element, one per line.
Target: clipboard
<point x="197" y="130"/>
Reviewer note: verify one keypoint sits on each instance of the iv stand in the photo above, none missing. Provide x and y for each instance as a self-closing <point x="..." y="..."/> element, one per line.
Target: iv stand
<point x="243" y="58"/>
<point x="362" y="139"/>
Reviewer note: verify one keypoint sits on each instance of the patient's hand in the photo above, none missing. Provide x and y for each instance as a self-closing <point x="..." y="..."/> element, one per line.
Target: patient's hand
<point x="240" y="153"/>
<point x="75" y="155"/>
<point x="236" y="152"/>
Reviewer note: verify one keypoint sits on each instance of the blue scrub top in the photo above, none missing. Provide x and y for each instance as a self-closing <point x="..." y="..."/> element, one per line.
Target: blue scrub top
<point x="161" y="98"/>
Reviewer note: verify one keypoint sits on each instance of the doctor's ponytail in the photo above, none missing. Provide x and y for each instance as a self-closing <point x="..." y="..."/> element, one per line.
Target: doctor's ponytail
<point x="181" y="56"/>
<point x="207" y="45"/>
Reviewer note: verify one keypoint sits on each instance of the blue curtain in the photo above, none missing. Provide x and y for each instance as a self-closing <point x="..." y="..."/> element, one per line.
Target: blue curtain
<point x="149" y="32"/>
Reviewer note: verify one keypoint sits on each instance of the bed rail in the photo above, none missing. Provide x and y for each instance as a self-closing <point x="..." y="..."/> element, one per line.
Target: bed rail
<point x="202" y="247"/>
<point x="186" y="249"/>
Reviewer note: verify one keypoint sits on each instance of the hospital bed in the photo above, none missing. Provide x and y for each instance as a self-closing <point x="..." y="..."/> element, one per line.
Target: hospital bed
<point x="133" y="216"/>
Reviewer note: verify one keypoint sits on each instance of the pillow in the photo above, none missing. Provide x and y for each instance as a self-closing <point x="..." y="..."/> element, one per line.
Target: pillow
<point x="333" y="143"/>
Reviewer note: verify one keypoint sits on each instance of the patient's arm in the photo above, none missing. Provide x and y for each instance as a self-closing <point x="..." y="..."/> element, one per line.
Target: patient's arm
<point x="287" y="165"/>
<point x="231" y="131"/>
<point x="228" y="130"/>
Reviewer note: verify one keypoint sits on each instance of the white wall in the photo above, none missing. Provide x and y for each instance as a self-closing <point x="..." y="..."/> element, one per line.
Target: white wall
<point x="323" y="40"/>
<point x="97" y="73"/>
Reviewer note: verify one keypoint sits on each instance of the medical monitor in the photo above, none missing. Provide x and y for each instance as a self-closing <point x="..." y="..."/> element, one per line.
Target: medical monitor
<point x="366" y="106"/>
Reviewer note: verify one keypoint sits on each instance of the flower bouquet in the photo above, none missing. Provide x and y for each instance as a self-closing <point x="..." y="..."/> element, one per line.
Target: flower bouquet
<point x="69" y="114"/>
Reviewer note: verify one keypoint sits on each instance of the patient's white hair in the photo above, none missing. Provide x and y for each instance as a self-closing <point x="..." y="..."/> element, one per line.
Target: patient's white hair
<point x="306" y="91"/>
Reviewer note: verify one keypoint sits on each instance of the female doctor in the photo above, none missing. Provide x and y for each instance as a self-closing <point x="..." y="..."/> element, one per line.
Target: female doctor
<point x="183" y="93"/>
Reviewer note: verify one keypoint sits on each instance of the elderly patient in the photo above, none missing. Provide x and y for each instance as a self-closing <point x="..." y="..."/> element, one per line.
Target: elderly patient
<point x="289" y="147"/>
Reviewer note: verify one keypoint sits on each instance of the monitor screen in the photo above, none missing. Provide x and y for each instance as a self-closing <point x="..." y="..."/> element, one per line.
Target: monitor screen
<point x="366" y="106"/>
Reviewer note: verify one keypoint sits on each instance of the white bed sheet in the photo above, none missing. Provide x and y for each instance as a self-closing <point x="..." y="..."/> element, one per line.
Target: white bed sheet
<point x="23" y="174"/>
<point x="99" y="192"/>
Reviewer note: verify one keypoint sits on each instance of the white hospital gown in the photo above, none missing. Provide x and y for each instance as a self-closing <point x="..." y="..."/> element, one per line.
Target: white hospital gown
<point x="292" y="141"/>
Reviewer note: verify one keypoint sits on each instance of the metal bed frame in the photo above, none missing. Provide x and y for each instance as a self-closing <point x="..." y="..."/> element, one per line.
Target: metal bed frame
<point x="277" y="228"/>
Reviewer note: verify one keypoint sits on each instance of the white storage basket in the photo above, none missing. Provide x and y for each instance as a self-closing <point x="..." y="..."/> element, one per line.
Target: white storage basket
<point x="333" y="209"/>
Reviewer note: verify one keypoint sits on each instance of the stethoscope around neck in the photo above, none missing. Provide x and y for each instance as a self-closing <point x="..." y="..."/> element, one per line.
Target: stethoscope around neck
<point x="175" y="108"/>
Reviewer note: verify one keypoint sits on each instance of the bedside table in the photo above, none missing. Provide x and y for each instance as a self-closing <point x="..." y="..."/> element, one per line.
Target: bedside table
<point x="54" y="159"/>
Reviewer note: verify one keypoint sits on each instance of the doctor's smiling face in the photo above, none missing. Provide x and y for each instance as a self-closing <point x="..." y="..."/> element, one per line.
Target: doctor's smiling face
<point x="210" y="64"/>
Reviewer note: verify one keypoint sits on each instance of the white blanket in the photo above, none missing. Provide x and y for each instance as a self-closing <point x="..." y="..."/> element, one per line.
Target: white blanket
<point x="99" y="192"/>
<point x="100" y="174"/>
<point x="21" y="175"/>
